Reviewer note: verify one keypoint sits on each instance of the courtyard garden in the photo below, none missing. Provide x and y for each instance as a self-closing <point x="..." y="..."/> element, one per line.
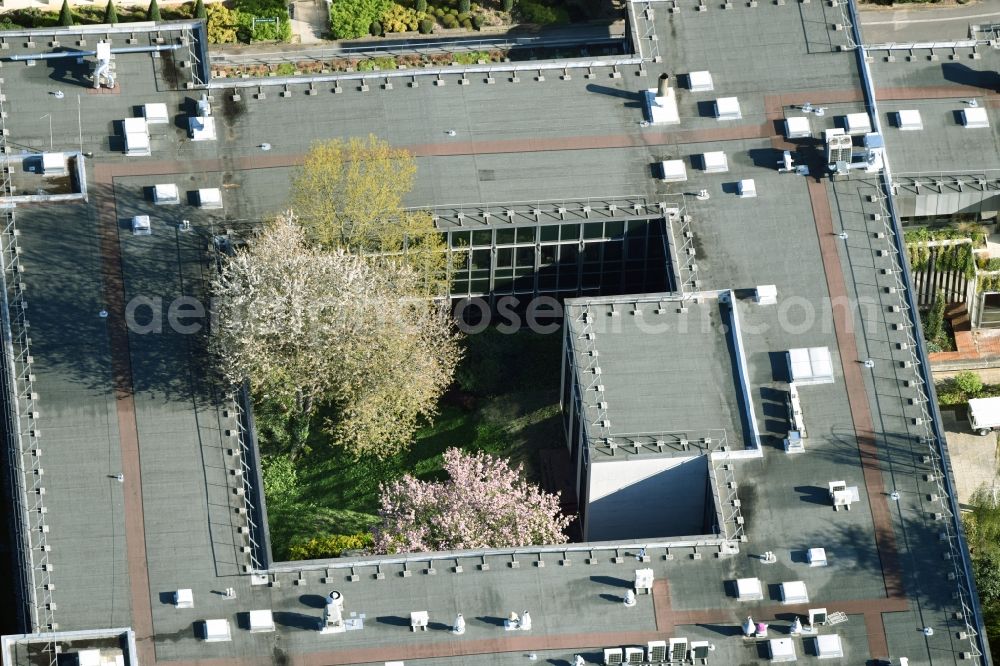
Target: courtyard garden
<point x="504" y="402"/>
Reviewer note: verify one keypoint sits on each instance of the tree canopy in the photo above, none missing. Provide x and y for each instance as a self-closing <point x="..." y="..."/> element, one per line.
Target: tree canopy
<point x="309" y="326"/>
<point x="484" y="504"/>
<point x="349" y="195"/>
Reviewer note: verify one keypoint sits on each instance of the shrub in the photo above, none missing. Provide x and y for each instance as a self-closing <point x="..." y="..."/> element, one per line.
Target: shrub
<point x="463" y="6"/>
<point x="450" y="21"/>
<point x="477" y="21"/>
<point x="375" y="29"/>
<point x="934" y="327"/>
<point x="350" y="19"/>
<point x="110" y="13"/>
<point x="969" y="383"/>
<point x="399" y="19"/>
<point x="421" y="6"/>
<point x="507" y="5"/>
<point x="199" y="10"/>
<point x="426" y="26"/>
<point x="535" y="12"/>
<point x="467" y="24"/>
<point x="285" y="69"/>
<point x="330" y="545"/>
<point x="65" y="15"/>
<point x="153" y="12"/>
<point x="221" y="24"/>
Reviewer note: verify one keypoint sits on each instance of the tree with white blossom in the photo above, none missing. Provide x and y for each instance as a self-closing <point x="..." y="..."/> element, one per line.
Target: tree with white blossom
<point x="311" y="327"/>
<point x="485" y="503"/>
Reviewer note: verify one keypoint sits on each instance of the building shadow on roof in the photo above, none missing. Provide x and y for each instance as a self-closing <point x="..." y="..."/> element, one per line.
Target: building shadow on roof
<point x="312" y="600"/>
<point x="723" y="629"/>
<point x="393" y="620"/>
<point x="610" y="580"/>
<point x="296" y="620"/>
<point x="964" y="75"/>
<point x="634" y="99"/>
<point x="494" y="621"/>
<point x="814" y="494"/>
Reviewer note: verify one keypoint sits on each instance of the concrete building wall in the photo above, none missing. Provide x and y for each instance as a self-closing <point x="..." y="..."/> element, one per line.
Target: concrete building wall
<point x="646" y="498"/>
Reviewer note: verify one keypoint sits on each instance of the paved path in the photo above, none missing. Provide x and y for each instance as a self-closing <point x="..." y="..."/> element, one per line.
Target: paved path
<point x="973" y="458"/>
<point x="121" y="365"/>
<point x="925" y="22"/>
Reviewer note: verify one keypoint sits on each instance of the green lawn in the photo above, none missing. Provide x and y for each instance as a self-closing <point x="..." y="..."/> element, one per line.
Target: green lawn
<point x="505" y="402"/>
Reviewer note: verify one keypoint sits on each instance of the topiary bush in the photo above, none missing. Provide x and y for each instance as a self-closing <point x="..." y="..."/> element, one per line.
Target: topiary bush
<point x="66" y="15"/>
<point x="421" y="6"/>
<point x="153" y="12"/>
<point x="463" y="6"/>
<point x="426" y="26"/>
<point x="450" y="21"/>
<point x="110" y="13"/>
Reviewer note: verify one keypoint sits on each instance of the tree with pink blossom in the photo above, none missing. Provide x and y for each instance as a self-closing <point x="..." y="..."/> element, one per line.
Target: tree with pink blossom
<point x="484" y="504"/>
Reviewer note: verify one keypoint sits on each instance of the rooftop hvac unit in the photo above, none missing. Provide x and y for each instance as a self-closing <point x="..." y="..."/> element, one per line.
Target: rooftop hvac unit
<point x="909" y="119"/>
<point x="700" y="82"/>
<point x="656" y="651"/>
<point x="678" y="649"/>
<point x="975" y="117"/>
<point x="634" y="655"/>
<point x="613" y="656"/>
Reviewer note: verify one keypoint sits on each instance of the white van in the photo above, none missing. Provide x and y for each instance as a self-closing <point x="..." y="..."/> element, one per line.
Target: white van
<point x="984" y="415"/>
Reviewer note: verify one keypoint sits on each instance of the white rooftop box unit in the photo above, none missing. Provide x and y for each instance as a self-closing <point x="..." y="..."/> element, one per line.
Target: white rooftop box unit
<point x="136" y="137"/>
<point x="53" y="164"/>
<point x="794" y="592"/>
<point x="700" y="82"/>
<point x="217" y="631"/>
<point x="674" y="171"/>
<point x="727" y="108"/>
<point x="614" y="656"/>
<point x="984" y="415"/>
<point x="155" y="114"/>
<point x="816" y="557"/>
<point x="184" y="599"/>
<point x="810" y="366"/>
<point x="975" y="116"/>
<point x="909" y="119"/>
<point x="166" y="193"/>
<point x="781" y="649"/>
<point x="210" y="197"/>
<point x="749" y="589"/>
<point x="828" y="646"/>
<point x="90" y="657"/>
<point x="141" y="225"/>
<point x="661" y="109"/>
<point x="656" y="651"/>
<point x="797" y="127"/>
<point x="643" y="581"/>
<point x="746" y="188"/>
<point x="766" y="294"/>
<point x="857" y="123"/>
<point x="715" y="162"/>
<point x="201" y="128"/>
<point x="261" y="621"/>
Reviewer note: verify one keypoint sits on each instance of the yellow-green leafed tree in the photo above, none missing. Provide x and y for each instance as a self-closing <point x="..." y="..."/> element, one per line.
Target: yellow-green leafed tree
<point x="349" y="194"/>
